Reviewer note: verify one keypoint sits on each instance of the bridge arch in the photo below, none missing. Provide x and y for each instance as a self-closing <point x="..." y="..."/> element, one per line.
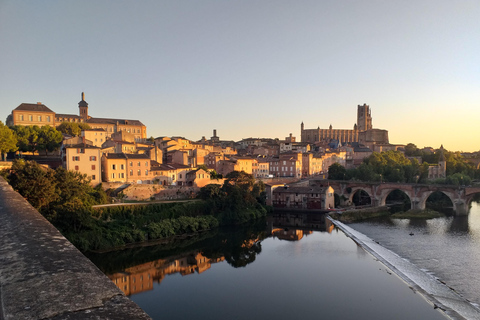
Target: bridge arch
<point x="385" y="193"/>
<point x="360" y="189"/>
<point x="422" y="201"/>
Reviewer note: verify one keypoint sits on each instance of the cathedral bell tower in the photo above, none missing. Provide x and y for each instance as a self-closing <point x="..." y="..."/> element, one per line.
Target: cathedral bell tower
<point x="83" y="106"/>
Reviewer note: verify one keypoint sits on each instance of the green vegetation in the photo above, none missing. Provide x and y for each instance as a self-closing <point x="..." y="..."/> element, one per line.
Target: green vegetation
<point x="418" y="214"/>
<point x="394" y="166"/>
<point x="8" y="140"/>
<point x="35" y="138"/>
<point x="358" y="215"/>
<point x="72" y="128"/>
<point x="65" y="198"/>
<point x="238" y="200"/>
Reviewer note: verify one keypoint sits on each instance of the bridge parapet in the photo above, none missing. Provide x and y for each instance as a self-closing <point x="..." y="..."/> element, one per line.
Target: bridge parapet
<point x="43" y="276"/>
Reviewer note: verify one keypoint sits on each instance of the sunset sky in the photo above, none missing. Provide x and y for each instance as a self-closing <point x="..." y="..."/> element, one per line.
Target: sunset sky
<point x="251" y="68"/>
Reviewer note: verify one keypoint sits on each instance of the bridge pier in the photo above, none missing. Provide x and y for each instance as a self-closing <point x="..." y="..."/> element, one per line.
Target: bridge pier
<point x="460" y="208"/>
<point x="417" y="204"/>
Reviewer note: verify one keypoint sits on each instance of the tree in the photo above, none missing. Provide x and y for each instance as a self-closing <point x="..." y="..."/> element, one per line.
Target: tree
<point x="8" y="141"/>
<point x="27" y="137"/>
<point x="35" y="183"/>
<point x="336" y="172"/>
<point x="72" y="128"/>
<point x="411" y="150"/>
<point x="49" y="139"/>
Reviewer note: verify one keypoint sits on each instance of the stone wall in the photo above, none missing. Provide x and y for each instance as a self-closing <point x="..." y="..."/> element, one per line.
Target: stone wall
<point x="43" y="276"/>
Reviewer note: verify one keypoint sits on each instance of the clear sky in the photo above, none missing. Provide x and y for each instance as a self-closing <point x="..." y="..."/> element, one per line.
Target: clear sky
<point x="251" y="68"/>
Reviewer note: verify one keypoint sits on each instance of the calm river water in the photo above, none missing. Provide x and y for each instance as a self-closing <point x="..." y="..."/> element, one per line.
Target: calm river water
<point x="448" y="248"/>
<point x="258" y="272"/>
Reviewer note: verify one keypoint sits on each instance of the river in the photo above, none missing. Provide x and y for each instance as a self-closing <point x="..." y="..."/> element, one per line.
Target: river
<point x="298" y="266"/>
<point x="448" y="248"/>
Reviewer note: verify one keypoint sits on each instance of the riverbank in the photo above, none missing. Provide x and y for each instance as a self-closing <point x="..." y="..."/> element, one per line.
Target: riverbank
<point x="436" y="292"/>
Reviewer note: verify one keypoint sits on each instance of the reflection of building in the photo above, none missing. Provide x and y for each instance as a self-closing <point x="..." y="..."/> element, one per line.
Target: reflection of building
<point x="140" y="278"/>
<point x="290" y="234"/>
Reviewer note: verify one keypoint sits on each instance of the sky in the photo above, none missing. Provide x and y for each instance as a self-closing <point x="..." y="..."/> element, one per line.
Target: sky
<point x="251" y="68"/>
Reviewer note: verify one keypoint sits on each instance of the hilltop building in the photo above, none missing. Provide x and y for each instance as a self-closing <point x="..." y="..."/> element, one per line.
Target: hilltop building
<point x="27" y="114"/>
<point x="362" y="132"/>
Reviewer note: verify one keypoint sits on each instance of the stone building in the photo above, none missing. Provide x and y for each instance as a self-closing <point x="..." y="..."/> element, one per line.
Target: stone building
<point x="362" y="130"/>
<point x="27" y="114"/>
<point x="303" y="198"/>
<point x="439" y="170"/>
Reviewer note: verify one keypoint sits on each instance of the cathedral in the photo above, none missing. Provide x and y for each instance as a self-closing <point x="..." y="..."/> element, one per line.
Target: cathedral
<point x="362" y="132"/>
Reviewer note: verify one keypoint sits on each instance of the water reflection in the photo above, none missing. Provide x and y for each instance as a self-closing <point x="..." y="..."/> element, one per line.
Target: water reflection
<point x="238" y="247"/>
<point x="304" y="268"/>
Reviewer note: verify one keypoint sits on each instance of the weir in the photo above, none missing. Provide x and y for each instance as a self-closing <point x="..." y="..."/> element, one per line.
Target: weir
<point x="43" y="276"/>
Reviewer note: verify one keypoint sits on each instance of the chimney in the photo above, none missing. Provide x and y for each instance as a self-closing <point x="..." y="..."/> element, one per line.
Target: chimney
<point x="83" y="96"/>
<point x="39" y="103"/>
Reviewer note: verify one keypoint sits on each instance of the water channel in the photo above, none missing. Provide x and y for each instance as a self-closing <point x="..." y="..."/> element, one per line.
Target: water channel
<point x="290" y="267"/>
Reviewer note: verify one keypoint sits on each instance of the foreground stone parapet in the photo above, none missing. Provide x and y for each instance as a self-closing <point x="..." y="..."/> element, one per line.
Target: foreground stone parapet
<point x="43" y="276"/>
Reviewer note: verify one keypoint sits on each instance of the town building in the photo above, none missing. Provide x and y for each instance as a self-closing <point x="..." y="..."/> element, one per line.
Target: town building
<point x="312" y="197"/>
<point x="361" y="131"/>
<point x="439" y="170"/>
<point x="38" y="114"/>
<point x="126" y="168"/>
<point x="80" y="155"/>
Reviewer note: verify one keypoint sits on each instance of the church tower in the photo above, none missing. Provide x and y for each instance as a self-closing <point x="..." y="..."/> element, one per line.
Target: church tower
<point x="83" y="106"/>
<point x="364" y="118"/>
<point x="442" y="164"/>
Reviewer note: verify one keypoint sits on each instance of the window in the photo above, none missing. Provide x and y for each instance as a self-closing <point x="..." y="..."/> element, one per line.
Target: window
<point x="139" y="172"/>
<point x="93" y="167"/>
<point x="122" y="167"/>
<point x="113" y="175"/>
<point x="131" y="172"/>
<point x="20" y="116"/>
<point x="93" y="177"/>
<point x="30" y="118"/>
<point x="39" y="118"/>
<point x="121" y="175"/>
<point x="146" y="163"/>
<point x="76" y="168"/>
<point x="80" y="150"/>
<point x="76" y="158"/>
<point x="93" y="158"/>
<point x="131" y="163"/>
<point x="180" y="176"/>
<point x="139" y="164"/>
<point x="114" y="167"/>
<point x="48" y="118"/>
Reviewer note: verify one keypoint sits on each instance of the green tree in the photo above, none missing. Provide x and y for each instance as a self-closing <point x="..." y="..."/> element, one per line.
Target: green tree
<point x="35" y="183"/>
<point x="337" y="172"/>
<point x="8" y="140"/>
<point x="49" y="139"/>
<point x="27" y="137"/>
<point x="72" y="128"/>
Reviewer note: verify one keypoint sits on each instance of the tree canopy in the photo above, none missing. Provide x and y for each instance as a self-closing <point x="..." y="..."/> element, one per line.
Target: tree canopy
<point x="35" y="138"/>
<point x="72" y="128"/>
<point x="8" y="140"/>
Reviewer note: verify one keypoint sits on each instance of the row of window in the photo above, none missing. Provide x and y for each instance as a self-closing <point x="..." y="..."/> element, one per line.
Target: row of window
<point x="121" y="175"/>
<point x="21" y="117"/>
<point x="77" y="158"/>
<point x="122" y="167"/>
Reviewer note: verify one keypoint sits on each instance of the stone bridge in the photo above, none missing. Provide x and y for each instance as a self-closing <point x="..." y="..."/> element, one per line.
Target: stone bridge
<point x="461" y="196"/>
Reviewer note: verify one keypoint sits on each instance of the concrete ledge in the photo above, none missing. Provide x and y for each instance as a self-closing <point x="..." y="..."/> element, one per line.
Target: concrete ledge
<point x="43" y="276"/>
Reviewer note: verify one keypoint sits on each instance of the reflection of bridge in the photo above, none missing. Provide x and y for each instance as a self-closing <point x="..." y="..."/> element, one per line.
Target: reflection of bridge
<point x="418" y="194"/>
